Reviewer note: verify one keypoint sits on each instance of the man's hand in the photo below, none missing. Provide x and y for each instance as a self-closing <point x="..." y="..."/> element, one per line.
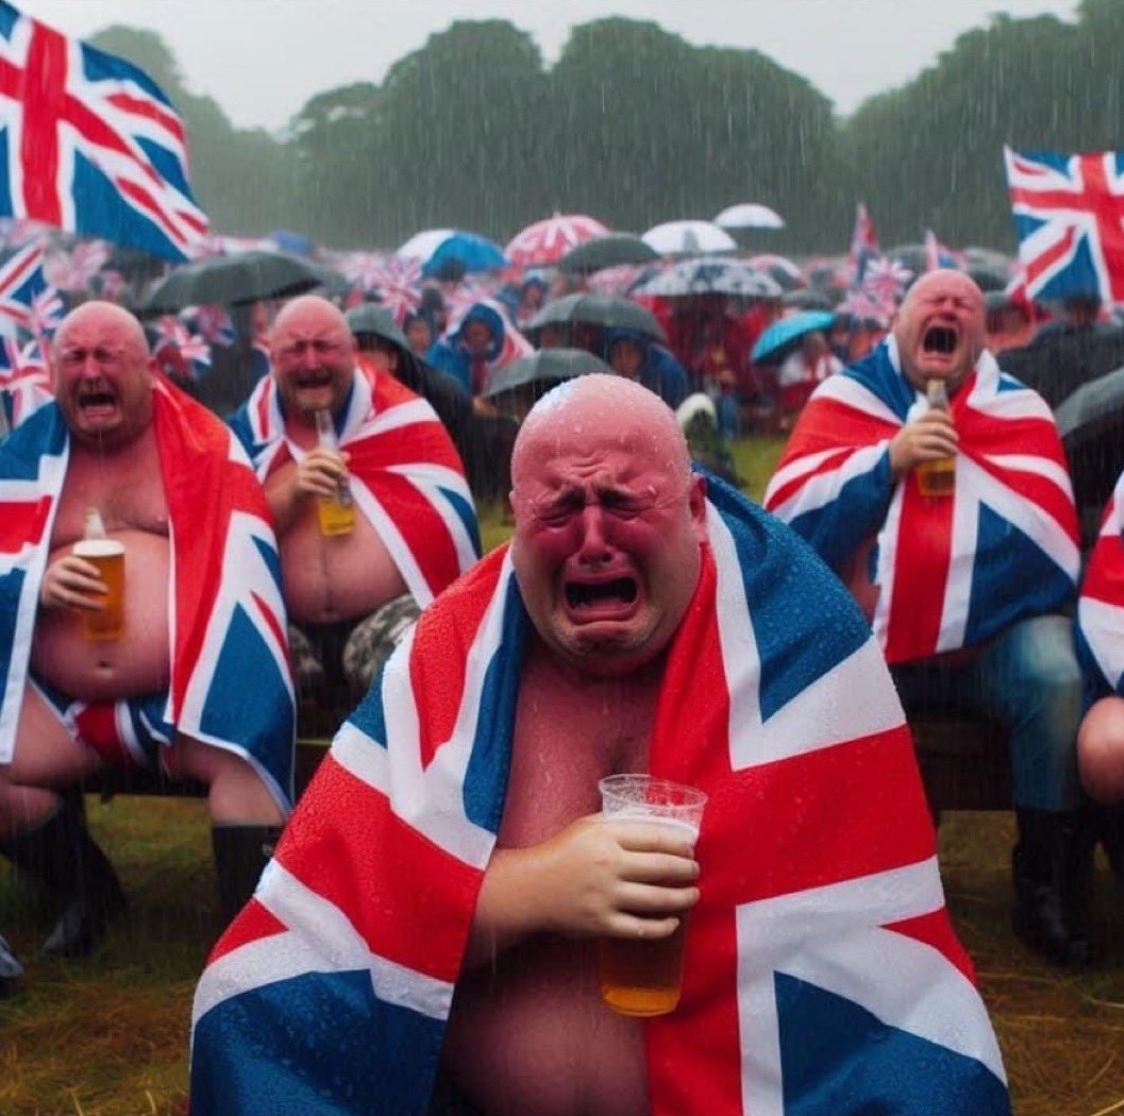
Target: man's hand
<point x="319" y="474"/>
<point x="929" y="437"/>
<point x="594" y="879"/>
<point x="72" y="582"/>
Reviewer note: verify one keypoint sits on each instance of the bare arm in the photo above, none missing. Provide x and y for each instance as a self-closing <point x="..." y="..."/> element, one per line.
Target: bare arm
<point x="623" y="880"/>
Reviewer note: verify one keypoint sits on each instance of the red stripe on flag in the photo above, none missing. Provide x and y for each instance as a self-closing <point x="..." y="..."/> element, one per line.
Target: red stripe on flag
<point x="150" y="110"/>
<point x="935" y="929"/>
<point x="921" y="565"/>
<point x="442" y="638"/>
<point x="22" y="523"/>
<point x="1104" y="579"/>
<point x="253" y="923"/>
<point x="409" y="900"/>
<point x="44" y="97"/>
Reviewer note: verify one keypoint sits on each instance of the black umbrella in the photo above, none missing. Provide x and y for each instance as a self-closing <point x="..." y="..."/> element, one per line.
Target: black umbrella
<point x="546" y="367"/>
<point x="806" y="298"/>
<point x="246" y="277"/>
<point x="1063" y="357"/>
<point x="1091" y="423"/>
<point x="606" y="251"/>
<point x="606" y="311"/>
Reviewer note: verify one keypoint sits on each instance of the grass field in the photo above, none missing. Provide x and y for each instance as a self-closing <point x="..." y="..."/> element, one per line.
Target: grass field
<point x="109" y="1035"/>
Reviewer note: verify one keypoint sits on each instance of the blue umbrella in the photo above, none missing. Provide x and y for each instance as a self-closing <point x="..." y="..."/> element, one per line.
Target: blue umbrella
<point x="440" y="249"/>
<point x="771" y="345"/>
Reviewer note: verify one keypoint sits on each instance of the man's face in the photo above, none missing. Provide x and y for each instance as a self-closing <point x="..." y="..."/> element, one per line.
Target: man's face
<point x="607" y="537"/>
<point x="477" y="336"/>
<point x="101" y="373"/>
<point x="313" y="359"/>
<point x="625" y="359"/>
<point x="940" y="328"/>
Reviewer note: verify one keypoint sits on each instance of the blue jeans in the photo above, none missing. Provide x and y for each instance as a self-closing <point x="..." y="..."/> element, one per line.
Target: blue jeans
<point x="1026" y="679"/>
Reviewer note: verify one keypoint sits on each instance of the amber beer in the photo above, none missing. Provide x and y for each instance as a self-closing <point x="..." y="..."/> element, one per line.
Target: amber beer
<point x="108" y="623"/>
<point x="643" y="977"/>
<point x="937" y="478"/>
<point x="337" y="514"/>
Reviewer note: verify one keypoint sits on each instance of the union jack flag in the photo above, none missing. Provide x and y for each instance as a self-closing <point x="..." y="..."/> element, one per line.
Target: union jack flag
<point x="1100" y="608"/>
<point x="406" y="477"/>
<point x="947" y="572"/>
<point x="21" y="279"/>
<point x="1069" y="216"/>
<point x="821" y="970"/>
<point x="864" y="242"/>
<point x="92" y="144"/>
<point x="231" y="685"/>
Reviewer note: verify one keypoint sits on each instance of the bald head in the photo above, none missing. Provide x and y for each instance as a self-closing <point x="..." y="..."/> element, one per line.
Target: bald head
<point x="313" y="358"/>
<point x="102" y="375"/>
<point x="940" y="328"/>
<point x="600" y="406"/>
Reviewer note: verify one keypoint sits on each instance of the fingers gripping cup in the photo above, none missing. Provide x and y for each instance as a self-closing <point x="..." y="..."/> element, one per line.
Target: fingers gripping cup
<point x="108" y="555"/>
<point x="643" y="977"/>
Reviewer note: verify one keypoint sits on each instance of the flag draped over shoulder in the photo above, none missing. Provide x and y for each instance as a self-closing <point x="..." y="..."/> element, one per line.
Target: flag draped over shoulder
<point x="1069" y="217"/>
<point x="90" y="143"/>
<point x="947" y="572"/>
<point x="406" y="476"/>
<point x="231" y="685"/>
<point x="1100" y="608"/>
<point x="329" y="992"/>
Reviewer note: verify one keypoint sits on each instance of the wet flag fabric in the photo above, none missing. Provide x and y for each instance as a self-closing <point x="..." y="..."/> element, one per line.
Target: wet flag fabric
<point x="949" y="572"/>
<point x="1100" y="608"/>
<point x="90" y="143"/>
<point x="407" y="478"/>
<point x="1069" y="217"/>
<point x="329" y="992"/>
<point x="231" y="685"/>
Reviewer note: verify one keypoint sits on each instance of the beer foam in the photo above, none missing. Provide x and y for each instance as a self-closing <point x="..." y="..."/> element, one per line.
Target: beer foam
<point x="98" y="548"/>
<point x="638" y="815"/>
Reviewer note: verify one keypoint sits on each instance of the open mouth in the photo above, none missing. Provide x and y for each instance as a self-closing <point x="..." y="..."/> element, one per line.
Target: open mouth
<point x="96" y="400"/>
<point x="939" y="339"/>
<point x="314" y="379"/>
<point x="601" y="597"/>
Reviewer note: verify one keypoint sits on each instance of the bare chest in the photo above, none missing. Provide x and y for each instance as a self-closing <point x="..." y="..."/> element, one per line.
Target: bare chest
<point x="127" y="489"/>
<point x="569" y="733"/>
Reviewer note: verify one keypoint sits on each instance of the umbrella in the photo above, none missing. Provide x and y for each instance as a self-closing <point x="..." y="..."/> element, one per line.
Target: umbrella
<point x="606" y="251"/>
<point x="601" y="310"/>
<point x="710" y="276"/>
<point x="369" y="318"/>
<point x="688" y="238"/>
<point x="1060" y="359"/>
<point x="804" y="298"/>
<point x="546" y="242"/>
<point x="543" y="368"/>
<point x="246" y="277"/>
<point x="1091" y="424"/>
<point x="780" y="268"/>
<point x="774" y="343"/>
<point x="443" y="251"/>
<point x="749" y="215"/>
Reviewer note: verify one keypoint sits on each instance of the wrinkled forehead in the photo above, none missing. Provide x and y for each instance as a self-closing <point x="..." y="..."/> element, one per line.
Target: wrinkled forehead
<point x="309" y="320"/>
<point x="937" y="286"/>
<point x="614" y="437"/>
<point x="97" y="327"/>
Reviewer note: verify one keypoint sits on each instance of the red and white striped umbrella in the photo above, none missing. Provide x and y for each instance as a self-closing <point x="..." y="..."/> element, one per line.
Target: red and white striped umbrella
<point x="546" y="242"/>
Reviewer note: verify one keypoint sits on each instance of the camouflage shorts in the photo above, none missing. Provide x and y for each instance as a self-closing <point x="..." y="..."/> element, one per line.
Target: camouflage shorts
<point x="366" y="646"/>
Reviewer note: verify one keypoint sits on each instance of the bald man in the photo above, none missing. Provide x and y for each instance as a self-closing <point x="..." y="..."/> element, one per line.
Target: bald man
<point x="121" y="452"/>
<point x="969" y="591"/>
<point x="414" y="531"/>
<point x="433" y="947"/>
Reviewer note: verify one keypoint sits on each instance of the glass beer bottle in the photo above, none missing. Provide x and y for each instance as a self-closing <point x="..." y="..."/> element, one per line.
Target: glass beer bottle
<point x="337" y="514"/>
<point x="937" y="478"/>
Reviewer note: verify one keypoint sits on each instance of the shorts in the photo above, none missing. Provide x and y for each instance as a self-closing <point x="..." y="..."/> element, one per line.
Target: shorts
<point x="125" y="733"/>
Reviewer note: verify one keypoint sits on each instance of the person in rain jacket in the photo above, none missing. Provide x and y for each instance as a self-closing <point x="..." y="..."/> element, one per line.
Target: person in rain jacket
<point x="636" y="356"/>
<point x="468" y="353"/>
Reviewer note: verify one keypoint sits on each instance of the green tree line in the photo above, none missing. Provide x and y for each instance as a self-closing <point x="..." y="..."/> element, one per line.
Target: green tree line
<point x="635" y="126"/>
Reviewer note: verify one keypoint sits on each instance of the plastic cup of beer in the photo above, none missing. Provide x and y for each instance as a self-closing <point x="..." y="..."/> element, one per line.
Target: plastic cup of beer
<point x="108" y="622"/>
<point x="643" y="977"/>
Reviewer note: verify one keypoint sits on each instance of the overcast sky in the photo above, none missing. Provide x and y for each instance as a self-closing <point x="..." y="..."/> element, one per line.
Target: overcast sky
<point x="262" y="59"/>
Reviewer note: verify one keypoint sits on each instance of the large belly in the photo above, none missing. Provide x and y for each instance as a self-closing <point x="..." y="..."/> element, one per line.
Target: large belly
<point x="531" y="1035"/>
<point x="138" y="662"/>
<point x="338" y="577"/>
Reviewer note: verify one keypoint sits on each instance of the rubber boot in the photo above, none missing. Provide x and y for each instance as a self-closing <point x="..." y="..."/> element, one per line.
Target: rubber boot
<point x="60" y="854"/>
<point x="241" y="854"/>
<point x="1052" y="867"/>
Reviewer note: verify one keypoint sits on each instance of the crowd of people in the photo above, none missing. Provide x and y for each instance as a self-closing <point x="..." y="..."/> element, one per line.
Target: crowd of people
<point x="320" y="550"/>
